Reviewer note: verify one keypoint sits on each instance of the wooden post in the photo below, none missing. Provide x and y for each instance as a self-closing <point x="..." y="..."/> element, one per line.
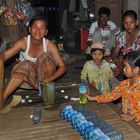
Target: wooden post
<point x="1" y="80"/>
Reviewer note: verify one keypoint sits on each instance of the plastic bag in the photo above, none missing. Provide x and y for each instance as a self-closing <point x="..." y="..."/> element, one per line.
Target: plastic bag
<point x="24" y="11"/>
<point x="9" y="18"/>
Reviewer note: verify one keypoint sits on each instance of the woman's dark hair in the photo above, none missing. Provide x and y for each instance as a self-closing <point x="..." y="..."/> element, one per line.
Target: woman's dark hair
<point x="38" y="18"/>
<point x="133" y="58"/>
<point x="95" y="49"/>
<point x="104" y="10"/>
<point x="131" y="13"/>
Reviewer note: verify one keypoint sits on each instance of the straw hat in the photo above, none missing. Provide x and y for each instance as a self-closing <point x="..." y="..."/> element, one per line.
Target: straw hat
<point x="98" y="45"/>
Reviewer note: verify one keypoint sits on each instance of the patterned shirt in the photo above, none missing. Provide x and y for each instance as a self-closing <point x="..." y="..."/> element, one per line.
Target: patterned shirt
<point x="121" y="39"/>
<point x="104" y="32"/>
<point x="96" y="74"/>
<point x="130" y="97"/>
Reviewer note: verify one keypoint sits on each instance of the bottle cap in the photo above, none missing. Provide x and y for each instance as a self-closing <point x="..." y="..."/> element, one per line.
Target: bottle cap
<point x="66" y="97"/>
<point x="23" y="100"/>
<point x="27" y="96"/>
<point x="29" y="101"/>
<point x="62" y="91"/>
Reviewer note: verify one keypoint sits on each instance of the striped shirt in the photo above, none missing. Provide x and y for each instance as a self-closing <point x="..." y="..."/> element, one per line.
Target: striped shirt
<point x="104" y="32"/>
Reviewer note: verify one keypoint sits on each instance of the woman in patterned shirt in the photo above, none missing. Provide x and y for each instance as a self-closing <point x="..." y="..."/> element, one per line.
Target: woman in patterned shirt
<point x="129" y="40"/>
<point x="128" y="90"/>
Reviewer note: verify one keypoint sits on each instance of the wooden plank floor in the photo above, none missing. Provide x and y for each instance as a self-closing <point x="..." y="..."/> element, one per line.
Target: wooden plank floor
<point x="17" y="125"/>
<point x="111" y="117"/>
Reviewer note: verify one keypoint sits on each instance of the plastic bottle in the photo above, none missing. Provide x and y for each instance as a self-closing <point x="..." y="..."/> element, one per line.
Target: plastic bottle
<point x="68" y="114"/>
<point x="75" y="113"/>
<point x="100" y="87"/>
<point x="60" y="44"/>
<point x="53" y="40"/>
<point x="81" y="119"/>
<point x="88" y="130"/>
<point x="83" y="90"/>
<point x="36" y="117"/>
<point x="63" y="112"/>
<point x="97" y="134"/>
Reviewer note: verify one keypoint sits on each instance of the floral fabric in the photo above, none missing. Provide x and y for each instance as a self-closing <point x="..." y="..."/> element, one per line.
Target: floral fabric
<point x="121" y="39"/>
<point x="130" y="97"/>
<point x="32" y="72"/>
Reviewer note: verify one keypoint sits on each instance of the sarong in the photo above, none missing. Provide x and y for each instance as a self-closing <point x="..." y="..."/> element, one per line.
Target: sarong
<point x="32" y="73"/>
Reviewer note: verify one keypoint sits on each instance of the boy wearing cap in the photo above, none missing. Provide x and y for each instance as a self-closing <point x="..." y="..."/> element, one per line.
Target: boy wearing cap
<point x="98" y="70"/>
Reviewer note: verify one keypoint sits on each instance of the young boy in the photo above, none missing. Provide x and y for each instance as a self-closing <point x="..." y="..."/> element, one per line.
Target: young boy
<point x="98" y="70"/>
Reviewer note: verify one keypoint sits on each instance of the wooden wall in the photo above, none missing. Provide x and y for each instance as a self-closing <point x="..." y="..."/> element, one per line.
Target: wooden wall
<point x="133" y="5"/>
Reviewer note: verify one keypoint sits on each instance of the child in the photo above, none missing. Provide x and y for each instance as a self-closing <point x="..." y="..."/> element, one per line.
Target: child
<point x="97" y="70"/>
<point x="128" y="89"/>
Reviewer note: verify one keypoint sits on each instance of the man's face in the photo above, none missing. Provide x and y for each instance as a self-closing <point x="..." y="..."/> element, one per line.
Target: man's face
<point x="103" y="18"/>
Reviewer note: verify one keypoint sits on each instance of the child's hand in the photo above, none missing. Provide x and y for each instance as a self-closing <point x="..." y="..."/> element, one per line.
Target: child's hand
<point x="127" y="117"/>
<point x="90" y="98"/>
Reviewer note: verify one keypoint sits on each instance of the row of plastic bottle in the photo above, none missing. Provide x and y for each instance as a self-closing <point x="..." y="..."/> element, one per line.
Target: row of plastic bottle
<point x="107" y="129"/>
<point x="88" y="124"/>
<point x="84" y="127"/>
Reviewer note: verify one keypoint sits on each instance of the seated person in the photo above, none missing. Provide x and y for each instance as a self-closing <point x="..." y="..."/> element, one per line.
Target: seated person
<point x="97" y="71"/>
<point x="38" y="59"/>
<point x="128" y="90"/>
<point x="104" y="31"/>
<point x="128" y="40"/>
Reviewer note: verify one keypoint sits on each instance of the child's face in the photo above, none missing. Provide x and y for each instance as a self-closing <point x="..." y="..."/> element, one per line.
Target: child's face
<point x="97" y="56"/>
<point x="128" y="70"/>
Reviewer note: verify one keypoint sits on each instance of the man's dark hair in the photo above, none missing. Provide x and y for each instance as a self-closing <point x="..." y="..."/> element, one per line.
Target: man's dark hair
<point x="104" y="10"/>
<point x="131" y="13"/>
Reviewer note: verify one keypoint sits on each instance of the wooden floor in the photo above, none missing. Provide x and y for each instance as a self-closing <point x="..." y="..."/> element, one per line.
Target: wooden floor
<point x="17" y="124"/>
